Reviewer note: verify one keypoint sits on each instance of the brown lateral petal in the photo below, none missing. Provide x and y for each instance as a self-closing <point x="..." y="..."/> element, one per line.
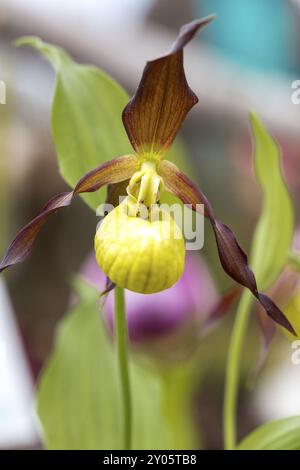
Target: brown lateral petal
<point x="181" y="186"/>
<point x="154" y="115"/>
<point x="232" y="257"/>
<point x="112" y="171"/>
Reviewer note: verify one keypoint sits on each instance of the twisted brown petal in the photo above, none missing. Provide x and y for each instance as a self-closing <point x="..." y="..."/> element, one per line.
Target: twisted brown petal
<point x="232" y="257"/>
<point x="112" y="171"/>
<point x="154" y="115"/>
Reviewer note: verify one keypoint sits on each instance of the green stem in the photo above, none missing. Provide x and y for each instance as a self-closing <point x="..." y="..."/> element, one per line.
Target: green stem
<point x="177" y="388"/>
<point x="122" y="348"/>
<point x="233" y="369"/>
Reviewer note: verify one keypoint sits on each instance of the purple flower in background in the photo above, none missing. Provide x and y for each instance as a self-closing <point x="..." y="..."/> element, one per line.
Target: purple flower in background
<point x="181" y="308"/>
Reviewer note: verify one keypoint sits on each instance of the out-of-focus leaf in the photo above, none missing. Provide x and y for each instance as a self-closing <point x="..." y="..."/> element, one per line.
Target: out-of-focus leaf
<point x="86" y="116"/>
<point x="282" y="434"/>
<point x="273" y="236"/>
<point x="79" y="402"/>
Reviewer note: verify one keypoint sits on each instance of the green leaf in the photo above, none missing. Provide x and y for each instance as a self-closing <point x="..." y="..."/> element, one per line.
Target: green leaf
<point x="86" y="116"/>
<point x="282" y="434"/>
<point x="274" y="231"/>
<point x="78" y="395"/>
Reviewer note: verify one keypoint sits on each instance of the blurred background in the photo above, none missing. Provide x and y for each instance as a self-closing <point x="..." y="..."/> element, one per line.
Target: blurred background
<point x="246" y="60"/>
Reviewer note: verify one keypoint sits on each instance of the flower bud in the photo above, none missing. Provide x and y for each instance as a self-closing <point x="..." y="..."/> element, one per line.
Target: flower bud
<point x="144" y="255"/>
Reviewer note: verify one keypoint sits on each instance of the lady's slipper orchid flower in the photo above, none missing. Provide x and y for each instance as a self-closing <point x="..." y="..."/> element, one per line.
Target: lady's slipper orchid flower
<point x="146" y="261"/>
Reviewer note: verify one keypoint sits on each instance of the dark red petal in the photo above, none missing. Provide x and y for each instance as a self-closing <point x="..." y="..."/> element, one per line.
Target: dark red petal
<point x="232" y="257"/>
<point x="181" y="186"/>
<point x="154" y="115"/>
<point x="112" y="171"/>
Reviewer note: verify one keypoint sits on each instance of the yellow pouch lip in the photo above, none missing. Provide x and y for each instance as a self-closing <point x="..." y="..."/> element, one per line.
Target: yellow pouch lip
<point x="140" y="255"/>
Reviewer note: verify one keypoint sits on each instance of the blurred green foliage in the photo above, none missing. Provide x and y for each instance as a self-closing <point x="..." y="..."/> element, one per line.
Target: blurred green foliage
<point x="274" y="231"/>
<point x="79" y="401"/>
<point x="86" y="116"/>
<point x="282" y="434"/>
